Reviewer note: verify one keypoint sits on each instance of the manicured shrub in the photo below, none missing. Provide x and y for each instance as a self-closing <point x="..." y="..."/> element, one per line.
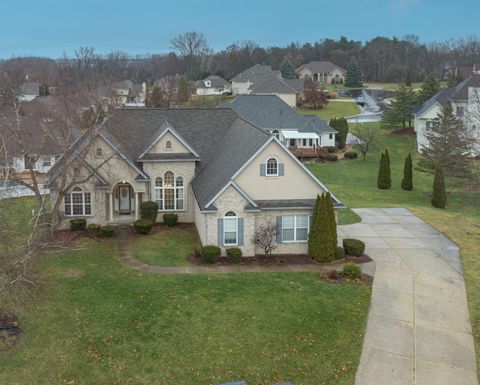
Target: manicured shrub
<point x="78" y="224"/>
<point x="332" y="157"/>
<point x="339" y="252"/>
<point x="211" y="254"/>
<point x="407" y="181"/>
<point x="143" y="226"/>
<point x="149" y="210"/>
<point x="107" y="231"/>
<point x="170" y="219"/>
<point x="234" y="255"/>
<point x="354" y="247"/>
<point x="330" y="149"/>
<point x="439" y="196"/>
<point x="351" y="155"/>
<point x="352" y="271"/>
<point x="384" y="181"/>
<point x="323" y="235"/>
<point x="197" y="251"/>
<point x="93" y="230"/>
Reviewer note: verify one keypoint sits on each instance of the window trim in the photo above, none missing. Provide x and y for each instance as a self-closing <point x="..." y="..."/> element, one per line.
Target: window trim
<point x="295" y="228"/>
<point x="77" y="190"/>
<point x="277" y="166"/>
<point x="230" y="217"/>
<point x="175" y="188"/>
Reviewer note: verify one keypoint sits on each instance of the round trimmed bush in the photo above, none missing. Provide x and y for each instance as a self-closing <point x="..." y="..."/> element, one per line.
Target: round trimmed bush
<point x="143" y="226"/>
<point x="170" y="219"/>
<point x="149" y="210"/>
<point x="354" y="247"/>
<point x="78" y="224"/>
<point x="332" y="157"/>
<point x="352" y="271"/>
<point x="107" y="231"/>
<point x="234" y="255"/>
<point x="330" y="149"/>
<point x="339" y="252"/>
<point x="211" y="254"/>
<point x="351" y="155"/>
<point x="93" y="230"/>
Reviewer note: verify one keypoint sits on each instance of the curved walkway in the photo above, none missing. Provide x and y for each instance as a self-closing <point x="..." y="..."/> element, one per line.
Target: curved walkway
<point x="418" y="329"/>
<point x="125" y="255"/>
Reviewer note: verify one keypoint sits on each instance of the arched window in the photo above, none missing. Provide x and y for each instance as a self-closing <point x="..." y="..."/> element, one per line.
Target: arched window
<point x="272" y="167"/>
<point x="230" y="228"/>
<point x="169" y="192"/>
<point x="168" y="144"/>
<point x="78" y="203"/>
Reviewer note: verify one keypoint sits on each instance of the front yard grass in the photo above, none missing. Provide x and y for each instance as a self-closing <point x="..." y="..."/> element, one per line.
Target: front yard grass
<point x="166" y="246"/>
<point x="98" y="322"/>
<point x="333" y="110"/>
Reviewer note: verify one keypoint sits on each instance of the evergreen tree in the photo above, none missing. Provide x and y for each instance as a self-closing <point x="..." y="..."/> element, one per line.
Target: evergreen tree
<point x="384" y="181"/>
<point x="332" y="221"/>
<point x="287" y="69"/>
<point x="439" y="196"/>
<point x="408" y="78"/>
<point x="407" y="181"/>
<point x="157" y="99"/>
<point x="354" y="76"/>
<point x="400" y="111"/>
<point x="341" y="125"/>
<point x="448" y="146"/>
<point x="429" y="88"/>
<point x="321" y="237"/>
<point x="184" y="90"/>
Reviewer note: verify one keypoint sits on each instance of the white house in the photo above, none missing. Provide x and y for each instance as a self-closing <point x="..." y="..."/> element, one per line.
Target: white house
<point x="465" y="102"/>
<point x="213" y="85"/>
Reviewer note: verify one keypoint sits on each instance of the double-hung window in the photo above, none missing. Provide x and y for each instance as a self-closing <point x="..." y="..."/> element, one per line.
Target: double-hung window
<point x="295" y="228"/>
<point x="78" y="203"/>
<point x="230" y="229"/>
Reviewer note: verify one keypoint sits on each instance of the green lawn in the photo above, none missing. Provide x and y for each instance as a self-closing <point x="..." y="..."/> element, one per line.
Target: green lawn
<point x="333" y="110"/>
<point x="210" y="101"/>
<point x="395" y="86"/>
<point x="95" y="321"/>
<point x="166" y="247"/>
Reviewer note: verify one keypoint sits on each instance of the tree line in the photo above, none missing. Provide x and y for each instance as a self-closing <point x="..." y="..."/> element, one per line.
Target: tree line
<point x="381" y="59"/>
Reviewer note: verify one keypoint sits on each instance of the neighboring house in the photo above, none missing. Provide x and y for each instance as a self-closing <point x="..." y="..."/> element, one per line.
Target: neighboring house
<point x="465" y="102"/>
<point x="213" y="85"/>
<point x="324" y="72"/>
<point x="304" y="135"/>
<point x="209" y="166"/>
<point x="124" y="93"/>
<point x="29" y="91"/>
<point x="36" y="145"/>
<point x="262" y="80"/>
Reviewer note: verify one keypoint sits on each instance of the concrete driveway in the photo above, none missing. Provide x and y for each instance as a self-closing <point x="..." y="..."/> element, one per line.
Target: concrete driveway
<point x="418" y="329"/>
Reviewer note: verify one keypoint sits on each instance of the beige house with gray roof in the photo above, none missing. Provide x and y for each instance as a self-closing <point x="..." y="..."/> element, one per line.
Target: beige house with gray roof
<point x="209" y="166"/>
<point x="324" y="72"/>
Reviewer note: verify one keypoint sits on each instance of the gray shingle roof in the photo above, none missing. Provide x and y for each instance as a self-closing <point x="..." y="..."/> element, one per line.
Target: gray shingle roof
<point x="216" y="82"/>
<point x="269" y="112"/>
<point x="223" y="141"/>
<point x="319" y="67"/>
<point x="254" y="73"/>
<point x="272" y="85"/>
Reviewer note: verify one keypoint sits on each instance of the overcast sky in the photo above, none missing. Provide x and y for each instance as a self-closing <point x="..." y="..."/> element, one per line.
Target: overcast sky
<point x="52" y="27"/>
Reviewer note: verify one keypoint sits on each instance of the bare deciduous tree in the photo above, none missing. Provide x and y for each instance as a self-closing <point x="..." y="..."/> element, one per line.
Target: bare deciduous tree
<point x="265" y="237"/>
<point x="193" y="48"/>
<point x="368" y="135"/>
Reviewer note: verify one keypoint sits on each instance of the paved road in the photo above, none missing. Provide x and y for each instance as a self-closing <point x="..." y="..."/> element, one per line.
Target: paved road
<point x="419" y="329"/>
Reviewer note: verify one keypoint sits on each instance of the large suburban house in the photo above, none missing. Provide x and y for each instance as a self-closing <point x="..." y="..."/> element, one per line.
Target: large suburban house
<point x="209" y="166"/>
<point x="465" y="102"/>
<point x="213" y="85"/>
<point x="262" y="80"/>
<point x="29" y="91"/>
<point x="324" y="72"/>
<point x="304" y="135"/>
<point x="124" y="93"/>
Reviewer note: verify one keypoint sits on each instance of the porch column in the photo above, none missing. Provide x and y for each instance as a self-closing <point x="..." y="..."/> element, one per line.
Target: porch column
<point x="137" y="206"/>
<point x="111" y="207"/>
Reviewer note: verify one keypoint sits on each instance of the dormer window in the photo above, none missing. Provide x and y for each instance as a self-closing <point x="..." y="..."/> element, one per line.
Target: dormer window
<point x="208" y="83"/>
<point x="168" y="144"/>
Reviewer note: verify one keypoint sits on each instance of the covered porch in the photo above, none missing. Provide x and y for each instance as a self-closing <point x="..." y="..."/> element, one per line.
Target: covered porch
<point x="303" y="144"/>
<point x="123" y="204"/>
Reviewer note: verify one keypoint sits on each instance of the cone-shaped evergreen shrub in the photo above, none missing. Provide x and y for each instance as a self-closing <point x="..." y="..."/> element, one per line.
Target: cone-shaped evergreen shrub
<point x="332" y="221"/>
<point x="321" y="236"/>
<point x="439" y="196"/>
<point x="384" y="180"/>
<point x="407" y="181"/>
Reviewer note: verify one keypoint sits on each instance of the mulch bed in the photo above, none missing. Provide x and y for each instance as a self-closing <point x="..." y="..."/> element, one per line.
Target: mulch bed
<point x="332" y="276"/>
<point x="9" y="330"/>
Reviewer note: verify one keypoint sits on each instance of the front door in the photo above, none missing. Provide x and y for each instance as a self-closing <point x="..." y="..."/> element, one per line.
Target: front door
<point x="124" y="199"/>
